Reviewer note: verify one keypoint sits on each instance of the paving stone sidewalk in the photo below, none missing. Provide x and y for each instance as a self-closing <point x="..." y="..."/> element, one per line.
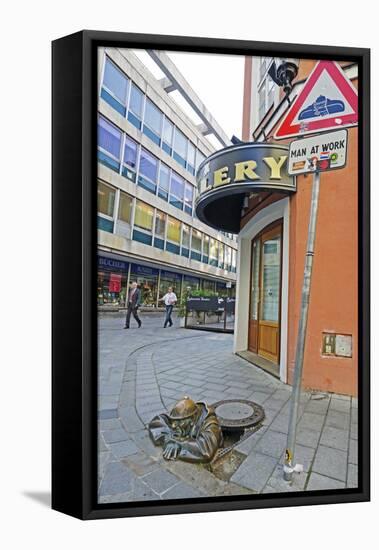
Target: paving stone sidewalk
<point x="144" y="371"/>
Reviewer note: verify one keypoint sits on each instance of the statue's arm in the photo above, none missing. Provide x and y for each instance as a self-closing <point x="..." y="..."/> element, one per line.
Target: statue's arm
<point x="204" y="447"/>
<point x="159" y="429"/>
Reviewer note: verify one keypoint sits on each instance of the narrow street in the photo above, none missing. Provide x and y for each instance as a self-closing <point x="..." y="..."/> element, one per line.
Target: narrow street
<point x="143" y="372"/>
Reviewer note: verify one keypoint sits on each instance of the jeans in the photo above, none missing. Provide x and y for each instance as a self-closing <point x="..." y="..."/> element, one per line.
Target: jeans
<point x="168" y="316"/>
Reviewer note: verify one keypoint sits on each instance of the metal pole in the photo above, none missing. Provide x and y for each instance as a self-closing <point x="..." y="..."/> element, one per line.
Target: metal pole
<point x="289" y="462"/>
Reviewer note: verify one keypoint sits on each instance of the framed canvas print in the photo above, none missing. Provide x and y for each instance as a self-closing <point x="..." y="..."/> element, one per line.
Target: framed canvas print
<point x="210" y="275"/>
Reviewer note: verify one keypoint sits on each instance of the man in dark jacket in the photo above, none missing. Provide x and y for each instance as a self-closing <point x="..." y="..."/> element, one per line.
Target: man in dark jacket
<point x="134" y="301"/>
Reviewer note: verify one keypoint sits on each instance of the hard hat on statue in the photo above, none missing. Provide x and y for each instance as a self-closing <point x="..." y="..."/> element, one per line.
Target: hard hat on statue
<point x="185" y="408"/>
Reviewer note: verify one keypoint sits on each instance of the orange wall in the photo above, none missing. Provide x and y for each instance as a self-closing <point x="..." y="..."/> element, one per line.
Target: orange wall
<point x="333" y="302"/>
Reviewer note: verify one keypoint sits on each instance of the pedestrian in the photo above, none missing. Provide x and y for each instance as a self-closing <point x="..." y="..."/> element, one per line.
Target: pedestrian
<point x="134" y="301"/>
<point x="170" y="300"/>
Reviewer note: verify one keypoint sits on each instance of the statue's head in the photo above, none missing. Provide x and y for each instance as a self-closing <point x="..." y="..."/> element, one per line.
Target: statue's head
<point x="183" y="417"/>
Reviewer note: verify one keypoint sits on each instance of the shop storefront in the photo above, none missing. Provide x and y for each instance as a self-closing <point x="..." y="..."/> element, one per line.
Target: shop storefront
<point x="111" y="281"/>
<point x="147" y="280"/>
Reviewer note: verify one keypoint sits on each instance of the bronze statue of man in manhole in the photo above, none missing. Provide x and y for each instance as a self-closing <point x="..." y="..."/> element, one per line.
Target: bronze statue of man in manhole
<point x="191" y="432"/>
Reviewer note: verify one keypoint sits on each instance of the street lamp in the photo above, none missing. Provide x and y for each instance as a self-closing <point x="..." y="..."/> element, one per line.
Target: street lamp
<point x="283" y="72"/>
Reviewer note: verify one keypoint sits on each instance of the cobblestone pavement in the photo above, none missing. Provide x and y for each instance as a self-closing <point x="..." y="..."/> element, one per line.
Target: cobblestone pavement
<point x="144" y="371"/>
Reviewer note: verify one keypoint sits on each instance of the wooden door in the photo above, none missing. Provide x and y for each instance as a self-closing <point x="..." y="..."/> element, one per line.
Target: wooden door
<point x="266" y="268"/>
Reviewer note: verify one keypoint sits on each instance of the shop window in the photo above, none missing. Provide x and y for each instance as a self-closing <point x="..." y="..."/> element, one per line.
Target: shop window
<point x="191" y="283"/>
<point x="152" y="126"/>
<point x="109" y="144"/>
<point x="164" y="181"/>
<point x="148" y="171"/>
<point x="176" y="191"/>
<point x="188" y="198"/>
<point x="130" y="159"/>
<point x="147" y="280"/>
<point x="205" y="257"/>
<point x="196" y="245"/>
<point x="168" y="279"/>
<point x="143" y="223"/>
<point x="180" y="147"/>
<point x="213" y="252"/>
<point x="115" y="87"/>
<point x="111" y="287"/>
<point x="208" y="285"/>
<point x="185" y="241"/>
<point x="135" y="107"/>
<point x="167" y="137"/>
<point x="173" y="235"/>
<point x="160" y="229"/>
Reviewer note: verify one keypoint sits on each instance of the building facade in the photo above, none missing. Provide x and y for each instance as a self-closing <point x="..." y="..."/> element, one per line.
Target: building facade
<point x="272" y="235"/>
<point x="148" y="152"/>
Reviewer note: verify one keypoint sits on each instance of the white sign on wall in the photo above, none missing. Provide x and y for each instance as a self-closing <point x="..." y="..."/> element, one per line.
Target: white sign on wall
<point x="318" y="153"/>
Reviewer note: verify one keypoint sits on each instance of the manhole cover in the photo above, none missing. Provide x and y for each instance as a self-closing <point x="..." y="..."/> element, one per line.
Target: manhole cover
<point x="238" y="414"/>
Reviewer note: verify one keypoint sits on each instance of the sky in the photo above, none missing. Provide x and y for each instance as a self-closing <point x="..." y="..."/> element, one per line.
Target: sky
<point x="217" y="80"/>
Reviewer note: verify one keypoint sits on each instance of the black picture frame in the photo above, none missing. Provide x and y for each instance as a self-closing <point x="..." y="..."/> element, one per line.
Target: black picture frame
<point x="74" y="332"/>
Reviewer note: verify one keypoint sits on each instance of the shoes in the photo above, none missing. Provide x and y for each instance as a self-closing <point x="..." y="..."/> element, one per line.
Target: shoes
<point x="140" y="325"/>
<point x="125" y="327"/>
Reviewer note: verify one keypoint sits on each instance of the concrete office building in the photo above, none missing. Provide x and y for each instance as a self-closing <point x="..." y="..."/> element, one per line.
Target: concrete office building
<point x="148" y="152"/>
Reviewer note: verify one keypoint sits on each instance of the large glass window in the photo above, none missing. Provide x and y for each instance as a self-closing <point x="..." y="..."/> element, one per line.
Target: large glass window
<point x="221" y="256"/>
<point x="188" y="198"/>
<point x="115" y="87"/>
<point x="228" y="258"/>
<point x="130" y="159"/>
<point x="173" y="235"/>
<point x="124" y="215"/>
<point x="213" y="252"/>
<point x="105" y="206"/>
<point x="164" y="181"/>
<point x="143" y="222"/>
<point x="168" y="279"/>
<point x="152" y="126"/>
<point x="196" y="244"/>
<point x="180" y="147"/>
<point x="185" y="240"/>
<point x="148" y="171"/>
<point x="160" y="229"/>
<point x="147" y="280"/>
<point x="135" y="106"/>
<point x="109" y="144"/>
<point x="191" y="158"/>
<point x="191" y="283"/>
<point x="168" y="133"/>
<point x="206" y="249"/>
<point x="199" y="158"/>
<point x="176" y="191"/>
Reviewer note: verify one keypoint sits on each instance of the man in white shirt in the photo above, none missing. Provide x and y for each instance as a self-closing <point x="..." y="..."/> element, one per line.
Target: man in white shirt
<point x="169" y="300"/>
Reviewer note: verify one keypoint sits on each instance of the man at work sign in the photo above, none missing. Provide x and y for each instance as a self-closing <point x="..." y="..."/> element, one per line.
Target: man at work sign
<point x="318" y="153"/>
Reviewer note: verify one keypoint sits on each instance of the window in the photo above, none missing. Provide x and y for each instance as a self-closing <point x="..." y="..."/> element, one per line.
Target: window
<point x="234" y="260"/>
<point x="152" y="122"/>
<point x="148" y="171"/>
<point x="124" y="215"/>
<point x="196" y="245"/>
<point x="213" y="252"/>
<point x="105" y="206"/>
<point x="130" y="159"/>
<point x="266" y="88"/>
<point x="205" y="249"/>
<point x="125" y="207"/>
<point x="168" y="279"/>
<point x="228" y="258"/>
<point x="143" y="223"/>
<point x="164" y="181"/>
<point x="176" y="191"/>
<point x="115" y="87"/>
<point x="180" y="147"/>
<point x="221" y="256"/>
<point x="168" y="132"/>
<point x="109" y="144"/>
<point x="173" y="235"/>
<point x="135" y="107"/>
<point x="185" y="240"/>
<point x="199" y="158"/>
<point x="191" y="283"/>
<point x="191" y="158"/>
<point x="208" y="285"/>
<point x="188" y="198"/>
<point x="160" y="228"/>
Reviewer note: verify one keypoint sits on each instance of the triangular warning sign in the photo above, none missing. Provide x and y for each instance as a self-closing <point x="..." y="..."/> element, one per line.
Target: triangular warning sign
<point x="327" y="101"/>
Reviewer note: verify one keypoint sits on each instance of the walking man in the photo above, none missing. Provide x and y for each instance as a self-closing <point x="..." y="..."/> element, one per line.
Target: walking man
<point x="134" y="300"/>
<point x="170" y="300"/>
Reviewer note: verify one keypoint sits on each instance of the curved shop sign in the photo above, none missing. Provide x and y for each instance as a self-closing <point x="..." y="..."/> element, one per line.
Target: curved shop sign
<point x="227" y="176"/>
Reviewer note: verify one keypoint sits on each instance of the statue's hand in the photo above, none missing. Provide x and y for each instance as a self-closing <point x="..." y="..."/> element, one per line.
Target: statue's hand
<point x="171" y="450"/>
